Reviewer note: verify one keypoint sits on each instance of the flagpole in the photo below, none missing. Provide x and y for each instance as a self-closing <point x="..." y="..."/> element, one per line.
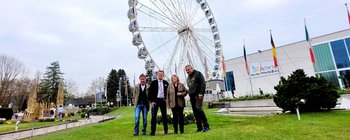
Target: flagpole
<point x="279" y="66"/>
<point x="247" y="68"/>
<point x="347" y="10"/>
<point x="313" y="59"/>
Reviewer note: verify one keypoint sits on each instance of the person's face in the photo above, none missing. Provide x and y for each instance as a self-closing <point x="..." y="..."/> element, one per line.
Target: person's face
<point x="143" y="80"/>
<point x="189" y="70"/>
<point x="160" y="75"/>
<point x="174" y="79"/>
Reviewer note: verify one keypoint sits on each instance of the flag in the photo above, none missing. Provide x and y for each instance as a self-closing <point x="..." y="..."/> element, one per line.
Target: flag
<point x="274" y="55"/>
<point x="223" y="66"/>
<point x="245" y="60"/>
<point x="310" y="47"/>
<point x="347" y="9"/>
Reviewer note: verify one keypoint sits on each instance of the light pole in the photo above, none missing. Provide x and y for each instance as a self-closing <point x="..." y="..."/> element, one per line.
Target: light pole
<point x="126" y="90"/>
<point x="302" y="101"/>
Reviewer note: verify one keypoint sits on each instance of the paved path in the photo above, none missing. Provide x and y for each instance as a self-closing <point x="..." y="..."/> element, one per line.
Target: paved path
<point x="58" y="127"/>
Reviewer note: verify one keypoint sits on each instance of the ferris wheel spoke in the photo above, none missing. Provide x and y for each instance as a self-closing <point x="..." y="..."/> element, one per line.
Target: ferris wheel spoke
<point x="157" y="29"/>
<point x="199" y="21"/>
<point x="179" y="12"/>
<point x="200" y="53"/>
<point x="171" y="12"/>
<point x="205" y="44"/>
<point x="175" y="19"/>
<point x="170" y="62"/>
<point x="156" y="15"/>
<point x="164" y="44"/>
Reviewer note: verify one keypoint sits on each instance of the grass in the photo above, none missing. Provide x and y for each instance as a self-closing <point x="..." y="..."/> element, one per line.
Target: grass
<point x="5" y="128"/>
<point x="323" y="125"/>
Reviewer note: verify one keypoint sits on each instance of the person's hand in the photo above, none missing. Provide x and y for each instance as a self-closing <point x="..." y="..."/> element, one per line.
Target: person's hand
<point x="152" y="104"/>
<point x="179" y="94"/>
<point x="200" y="97"/>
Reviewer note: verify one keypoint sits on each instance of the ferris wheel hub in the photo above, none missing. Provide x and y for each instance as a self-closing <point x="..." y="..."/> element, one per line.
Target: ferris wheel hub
<point x="182" y="30"/>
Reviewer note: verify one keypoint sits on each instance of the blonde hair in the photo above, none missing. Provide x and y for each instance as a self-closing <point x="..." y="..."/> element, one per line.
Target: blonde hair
<point x="178" y="80"/>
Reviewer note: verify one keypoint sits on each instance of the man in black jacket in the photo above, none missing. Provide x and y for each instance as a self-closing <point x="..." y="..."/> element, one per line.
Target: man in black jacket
<point x="157" y="98"/>
<point x="196" y="88"/>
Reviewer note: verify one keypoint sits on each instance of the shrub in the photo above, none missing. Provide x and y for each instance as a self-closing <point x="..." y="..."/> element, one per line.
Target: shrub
<point x="188" y="117"/>
<point x="71" y="114"/>
<point x="46" y="119"/>
<point x="6" y="113"/>
<point x="317" y="91"/>
<point x="2" y="120"/>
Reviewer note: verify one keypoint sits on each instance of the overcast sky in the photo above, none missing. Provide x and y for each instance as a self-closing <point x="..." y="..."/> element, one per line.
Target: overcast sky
<point x="90" y="37"/>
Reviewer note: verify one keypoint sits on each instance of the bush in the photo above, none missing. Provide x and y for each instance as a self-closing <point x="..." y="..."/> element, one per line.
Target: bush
<point x="46" y="119"/>
<point x="317" y="91"/>
<point x="6" y="113"/>
<point x="188" y="117"/>
<point x="2" y="120"/>
<point x="71" y="114"/>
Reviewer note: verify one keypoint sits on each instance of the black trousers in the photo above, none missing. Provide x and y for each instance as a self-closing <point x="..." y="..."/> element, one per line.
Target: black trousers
<point x="160" y="103"/>
<point x="178" y="118"/>
<point x="201" y="119"/>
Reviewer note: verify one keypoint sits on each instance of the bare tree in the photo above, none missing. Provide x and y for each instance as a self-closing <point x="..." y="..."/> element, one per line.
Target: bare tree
<point x="10" y="70"/>
<point x="96" y="86"/>
<point x="72" y="88"/>
<point x="21" y="92"/>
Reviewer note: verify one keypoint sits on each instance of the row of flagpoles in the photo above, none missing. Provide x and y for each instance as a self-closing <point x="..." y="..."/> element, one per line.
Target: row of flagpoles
<point x="274" y="54"/>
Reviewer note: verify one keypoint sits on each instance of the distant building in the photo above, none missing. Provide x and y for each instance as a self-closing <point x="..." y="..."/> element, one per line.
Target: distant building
<point x="332" y="62"/>
<point x="81" y="102"/>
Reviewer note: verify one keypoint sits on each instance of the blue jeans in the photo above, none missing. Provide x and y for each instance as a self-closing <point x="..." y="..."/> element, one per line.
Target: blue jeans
<point x="60" y="116"/>
<point x="140" y="108"/>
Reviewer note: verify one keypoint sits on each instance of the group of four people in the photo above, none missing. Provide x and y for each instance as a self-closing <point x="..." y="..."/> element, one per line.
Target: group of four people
<point x="160" y="94"/>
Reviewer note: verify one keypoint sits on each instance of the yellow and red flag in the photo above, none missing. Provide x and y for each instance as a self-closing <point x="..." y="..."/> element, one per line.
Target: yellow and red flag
<point x="274" y="55"/>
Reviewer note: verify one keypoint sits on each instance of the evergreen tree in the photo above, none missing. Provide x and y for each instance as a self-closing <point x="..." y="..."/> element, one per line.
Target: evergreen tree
<point x="112" y="86"/>
<point x="124" y="80"/>
<point x="53" y="77"/>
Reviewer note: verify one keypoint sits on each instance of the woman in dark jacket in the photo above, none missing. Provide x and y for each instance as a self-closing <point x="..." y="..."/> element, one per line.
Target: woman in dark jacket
<point x="176" y="101"/>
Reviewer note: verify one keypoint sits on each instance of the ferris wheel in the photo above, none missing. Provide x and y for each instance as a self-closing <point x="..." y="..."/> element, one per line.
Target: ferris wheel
<point x="170" y="34"/>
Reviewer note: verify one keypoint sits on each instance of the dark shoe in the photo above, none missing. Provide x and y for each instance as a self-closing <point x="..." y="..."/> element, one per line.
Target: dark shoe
<point x="143" y="133"/>
<point x="175" y="132"/>
<point x="165" y="133"/>
<point x="181" y="132"/>
<point x="199" y="130"/>
<point x="136" y="134"/>
<point x="206" y="129"/>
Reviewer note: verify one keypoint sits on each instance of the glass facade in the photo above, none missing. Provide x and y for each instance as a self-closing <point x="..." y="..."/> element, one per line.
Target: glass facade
<point x="340" y="54"/>
<point x="229" y="81"/>
<point x="333" y="61"/>
<point x="324" y="57"/>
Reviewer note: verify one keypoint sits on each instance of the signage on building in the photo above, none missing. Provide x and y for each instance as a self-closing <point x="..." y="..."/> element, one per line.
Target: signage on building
<point x="265" y="68"/>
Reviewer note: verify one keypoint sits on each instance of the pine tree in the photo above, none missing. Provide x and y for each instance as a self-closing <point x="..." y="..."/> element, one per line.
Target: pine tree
<point x="112" y="86"/>
<point x="53" y="77"/>
<point x="124" y="80"/>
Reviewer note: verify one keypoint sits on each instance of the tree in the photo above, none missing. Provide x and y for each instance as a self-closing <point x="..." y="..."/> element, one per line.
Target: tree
<point x="10" y="70"/>
<point x="112" y="86"/>
<point x="53" y="77"/>
<point x="96" y="86"/>
<point x="125" y="85"/>
<point x="71" y="88"/>
<point x="317" y="91"/>
<point x="21" y="92"/>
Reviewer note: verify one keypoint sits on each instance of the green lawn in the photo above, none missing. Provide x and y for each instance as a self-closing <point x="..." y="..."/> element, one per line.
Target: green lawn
<point x="325" y="125"/>
<point x="5" y="128"/>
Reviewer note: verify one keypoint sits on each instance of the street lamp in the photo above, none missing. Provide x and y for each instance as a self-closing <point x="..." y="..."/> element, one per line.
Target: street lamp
<point x="302" y="101"/>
